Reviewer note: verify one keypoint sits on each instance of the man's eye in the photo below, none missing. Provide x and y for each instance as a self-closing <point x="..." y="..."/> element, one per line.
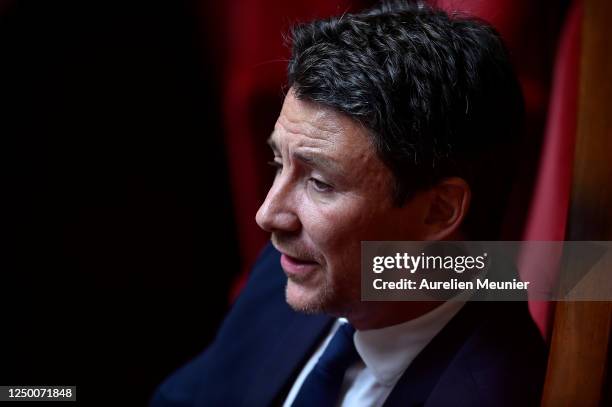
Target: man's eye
<point x="320" y="186"/>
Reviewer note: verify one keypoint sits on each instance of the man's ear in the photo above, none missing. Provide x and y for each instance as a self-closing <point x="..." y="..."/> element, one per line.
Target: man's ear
<point x="449" y="201"/>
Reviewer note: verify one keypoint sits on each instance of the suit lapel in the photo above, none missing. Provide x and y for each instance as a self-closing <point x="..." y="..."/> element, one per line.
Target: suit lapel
<point x="287" y="353"/>
<point x="419" y="379"/>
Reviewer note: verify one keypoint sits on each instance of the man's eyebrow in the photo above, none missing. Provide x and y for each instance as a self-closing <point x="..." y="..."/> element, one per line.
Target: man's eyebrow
<point x="319" y="161"/>
<point x="314" y="160"/>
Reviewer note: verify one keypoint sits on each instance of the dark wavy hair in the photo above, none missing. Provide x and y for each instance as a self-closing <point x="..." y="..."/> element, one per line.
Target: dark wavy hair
<point x="436" y="92"/>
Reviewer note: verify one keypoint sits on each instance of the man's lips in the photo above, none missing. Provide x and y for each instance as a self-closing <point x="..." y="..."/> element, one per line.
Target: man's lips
<point x="297" y="267"/>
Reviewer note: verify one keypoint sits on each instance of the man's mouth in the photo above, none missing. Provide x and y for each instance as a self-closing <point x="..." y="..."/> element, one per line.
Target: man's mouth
<point x="297" y="267"/>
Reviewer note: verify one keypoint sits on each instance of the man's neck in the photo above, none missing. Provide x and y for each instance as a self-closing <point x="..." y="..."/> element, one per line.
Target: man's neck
<point x="378" y="315"/>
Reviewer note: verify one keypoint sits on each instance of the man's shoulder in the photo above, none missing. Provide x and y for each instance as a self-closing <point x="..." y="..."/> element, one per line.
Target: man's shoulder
<point x="501" y="363"/>
<point x="489" y="354"/>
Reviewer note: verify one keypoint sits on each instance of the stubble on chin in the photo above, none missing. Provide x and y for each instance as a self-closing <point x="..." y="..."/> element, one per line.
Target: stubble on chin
<point x="300" y="300"/>
<point x="325" y="300"/>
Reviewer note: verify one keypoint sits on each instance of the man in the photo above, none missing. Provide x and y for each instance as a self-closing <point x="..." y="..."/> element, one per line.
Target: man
<point x="399" y="124"/>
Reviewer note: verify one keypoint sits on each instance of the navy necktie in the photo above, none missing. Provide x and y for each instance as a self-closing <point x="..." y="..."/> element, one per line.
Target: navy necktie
<point x="321" y="387"/>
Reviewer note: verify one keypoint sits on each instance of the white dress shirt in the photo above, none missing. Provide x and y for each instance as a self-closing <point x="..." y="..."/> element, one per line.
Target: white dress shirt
<point x="385" y="354"/>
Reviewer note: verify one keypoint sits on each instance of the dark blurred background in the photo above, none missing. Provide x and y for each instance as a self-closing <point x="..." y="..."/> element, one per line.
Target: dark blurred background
<point x="132" y="152"/>
<point x="121" y="243"/>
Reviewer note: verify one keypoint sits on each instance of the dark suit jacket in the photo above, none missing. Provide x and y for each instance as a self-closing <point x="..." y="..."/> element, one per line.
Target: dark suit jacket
<point x="490" y="354"/>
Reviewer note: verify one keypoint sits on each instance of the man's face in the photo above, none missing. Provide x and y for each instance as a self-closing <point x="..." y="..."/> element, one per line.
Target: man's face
<point x="331" y="191"/>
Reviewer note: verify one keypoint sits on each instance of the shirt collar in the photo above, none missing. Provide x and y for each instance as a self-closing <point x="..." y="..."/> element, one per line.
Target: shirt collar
<point x="388" y="351"/>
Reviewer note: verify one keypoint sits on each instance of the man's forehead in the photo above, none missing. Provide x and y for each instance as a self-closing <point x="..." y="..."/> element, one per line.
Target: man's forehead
<point x="311" y="119"/>
<point x="312" y="151"/>
<point x="301" y="136"/>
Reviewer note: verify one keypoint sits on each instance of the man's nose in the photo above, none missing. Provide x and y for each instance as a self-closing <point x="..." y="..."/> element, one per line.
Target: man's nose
<point x="277" y="213"/>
